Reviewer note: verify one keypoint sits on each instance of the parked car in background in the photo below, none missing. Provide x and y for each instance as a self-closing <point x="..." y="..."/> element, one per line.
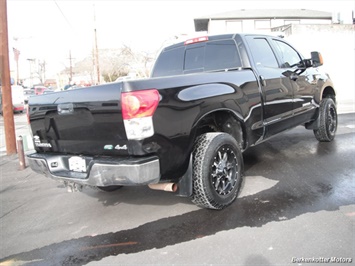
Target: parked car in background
<point x="27" y="94"/>
<point x="39" y="90"/>
<point x="18" y="99"/>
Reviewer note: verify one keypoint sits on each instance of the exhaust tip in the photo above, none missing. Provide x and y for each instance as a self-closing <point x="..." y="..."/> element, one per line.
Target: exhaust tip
<point x="169" y="187"/>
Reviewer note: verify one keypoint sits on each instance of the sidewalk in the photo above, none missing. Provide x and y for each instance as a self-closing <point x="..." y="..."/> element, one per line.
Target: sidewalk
<point x="21" y="128"/>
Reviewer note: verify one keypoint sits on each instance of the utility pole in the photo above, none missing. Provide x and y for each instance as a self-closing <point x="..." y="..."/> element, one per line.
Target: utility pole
<point x="97" y="63"/>
<point x="9" y="124"/>
<point x="97" y="59"/>
<point x="42" y="71"/>
<point x="16" y="57"/>
<point x="70" y="67"/>
<point x="31" y="62"/>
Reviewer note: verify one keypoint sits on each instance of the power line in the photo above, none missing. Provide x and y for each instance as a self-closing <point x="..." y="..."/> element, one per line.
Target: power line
<point x="71" y="27"/>
<point x="65" y="18"/>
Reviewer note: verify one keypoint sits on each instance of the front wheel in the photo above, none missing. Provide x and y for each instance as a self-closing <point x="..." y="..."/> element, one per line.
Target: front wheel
<point x="328" y="121"/>
<point x="217" y="170"/>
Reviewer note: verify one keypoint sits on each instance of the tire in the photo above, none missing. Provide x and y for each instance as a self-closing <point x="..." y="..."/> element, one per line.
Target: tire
<point x="328" y="121"/>
<point x="217" y="170"/>
<point x="109" y="188"/>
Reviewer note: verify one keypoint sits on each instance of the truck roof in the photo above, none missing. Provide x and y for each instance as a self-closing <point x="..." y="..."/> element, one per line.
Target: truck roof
<point x="215" y="37"/>
<point x="210" y="37"/>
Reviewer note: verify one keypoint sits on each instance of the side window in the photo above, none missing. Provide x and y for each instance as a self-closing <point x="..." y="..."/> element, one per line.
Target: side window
<point x="262" y="53"/>
<point x="289" y="56"/>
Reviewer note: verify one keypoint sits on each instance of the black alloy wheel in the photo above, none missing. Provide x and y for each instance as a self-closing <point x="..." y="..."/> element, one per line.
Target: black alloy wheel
<point x="328" y="121"/>
<point x="224" y="170"/>
<point x="217" y="170"/>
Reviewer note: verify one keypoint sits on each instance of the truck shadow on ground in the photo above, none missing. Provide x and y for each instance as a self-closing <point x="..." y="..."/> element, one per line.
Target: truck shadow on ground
<point x="294" y="193"/>
<point x="140" y="196"/>
<point x="137" y="196"/>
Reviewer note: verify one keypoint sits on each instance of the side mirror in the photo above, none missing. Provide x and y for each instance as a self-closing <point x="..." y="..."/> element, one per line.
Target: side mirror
<point x="317" y="59"/>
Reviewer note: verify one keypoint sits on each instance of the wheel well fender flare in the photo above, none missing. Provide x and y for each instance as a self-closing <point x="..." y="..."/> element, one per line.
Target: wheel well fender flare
<point x="221" y="120"/>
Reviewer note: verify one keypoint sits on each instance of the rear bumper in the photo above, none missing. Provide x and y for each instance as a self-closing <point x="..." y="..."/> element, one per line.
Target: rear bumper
<point x="100" y="171"/>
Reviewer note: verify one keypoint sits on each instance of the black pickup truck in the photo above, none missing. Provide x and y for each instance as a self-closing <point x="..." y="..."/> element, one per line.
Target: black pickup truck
<point x="184" y="129"/>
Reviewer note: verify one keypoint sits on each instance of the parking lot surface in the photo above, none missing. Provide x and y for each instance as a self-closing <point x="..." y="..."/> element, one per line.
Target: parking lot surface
<point x="297" y="207"/>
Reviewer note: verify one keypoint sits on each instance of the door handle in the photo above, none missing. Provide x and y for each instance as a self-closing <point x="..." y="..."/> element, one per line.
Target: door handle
<point x="65" y="108"/>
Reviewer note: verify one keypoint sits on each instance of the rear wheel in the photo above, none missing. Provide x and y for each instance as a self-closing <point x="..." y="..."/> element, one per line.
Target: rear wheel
<point x="217" y="170"/>
<point x="328" y="121"/>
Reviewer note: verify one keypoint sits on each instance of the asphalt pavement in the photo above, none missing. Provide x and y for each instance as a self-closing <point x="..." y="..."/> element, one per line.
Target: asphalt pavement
<point x="297" y="207"/>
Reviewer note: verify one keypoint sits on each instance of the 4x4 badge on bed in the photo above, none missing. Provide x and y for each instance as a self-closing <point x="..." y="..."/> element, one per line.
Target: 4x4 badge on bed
<point x="118" y="147"/>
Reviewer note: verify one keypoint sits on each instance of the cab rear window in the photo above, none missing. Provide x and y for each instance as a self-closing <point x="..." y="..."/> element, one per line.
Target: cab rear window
<point x="169" y="63"/>
<point x="200" y="57"/>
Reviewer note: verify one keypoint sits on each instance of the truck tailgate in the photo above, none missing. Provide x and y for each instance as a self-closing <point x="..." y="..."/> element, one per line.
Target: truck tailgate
<point x="80" y="121"/>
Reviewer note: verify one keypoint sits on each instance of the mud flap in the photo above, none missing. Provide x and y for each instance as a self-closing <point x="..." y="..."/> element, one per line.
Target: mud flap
<point x="185" y="183"/>
<point x="314" y="124"/>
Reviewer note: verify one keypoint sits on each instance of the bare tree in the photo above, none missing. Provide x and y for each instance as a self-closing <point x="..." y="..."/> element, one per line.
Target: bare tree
<point x="41" y="71"/>
<point x="116" y="63"/>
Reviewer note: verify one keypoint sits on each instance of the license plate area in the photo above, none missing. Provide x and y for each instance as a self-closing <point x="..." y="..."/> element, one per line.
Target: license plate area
<point x="77" y="164"/>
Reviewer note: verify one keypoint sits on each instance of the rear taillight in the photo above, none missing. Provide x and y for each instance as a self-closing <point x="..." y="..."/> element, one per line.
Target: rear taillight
<point x="138" y="108"/>
<point x="139" y="103"/>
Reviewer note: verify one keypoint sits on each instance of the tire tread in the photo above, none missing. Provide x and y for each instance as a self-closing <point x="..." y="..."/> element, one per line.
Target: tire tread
<point x="200" y="197"/>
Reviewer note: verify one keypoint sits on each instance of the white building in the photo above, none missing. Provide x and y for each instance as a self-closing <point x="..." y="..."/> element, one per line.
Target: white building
<point x="259" y="20"/>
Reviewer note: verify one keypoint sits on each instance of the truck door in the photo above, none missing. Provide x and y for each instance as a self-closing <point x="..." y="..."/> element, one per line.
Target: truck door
<point x="304" y="81"/>
<point x="276" y="88"/>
